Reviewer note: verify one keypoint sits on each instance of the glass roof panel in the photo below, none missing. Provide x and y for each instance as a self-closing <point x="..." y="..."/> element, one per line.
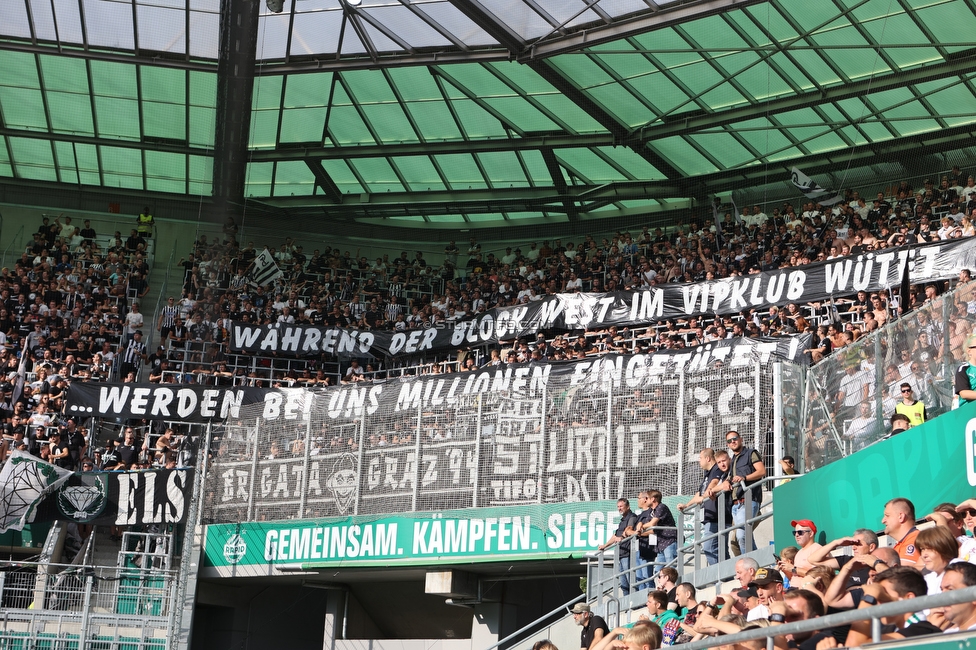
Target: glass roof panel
<point x="293" y="178"/>
<point x="161" y="29"/>
<point x="342" y="176"/>
<point x="32" y="159"/>
<point x="200" y="175"/>
<point x="951" y="104"/>
<point x="728" y="151"/>
<point x="936" y="16"/>
<point x="477" y="123"/>
<point x="378" y="39"/>
<point x="461" y="171"/>
<point x="204" y="32"/>
<point x="794" y="74"/>
<point x="620" y="102"/>
<point x="762" y="135"/>
<point x="13" y="22"/>
<point x="347" y="127"/>
<point x="273" y="35"/>
<point x="22" y="107"/>
<point x="854" y="109"/>
<point x="536" y="166"/>
<point x="462" y="27"/>
<point x="315" y="32"/>
<point x="302" y="124"/>
<point x="69" y="20"/>
<point x="406" y="24"/>
<point x="258" y="180"/>
<point x="898" y="32"/>
<point x="390" y="123"/>
<point x="522" y="114"/>
<point x="503" y="168"/>
<point x="121" y="167"/>
<point x="109" y="24"/>
<point x="583" y="70"/>
<point x="815" y="67"/>
<point x="86" y="158"/>
<point x="632" y="162"/>
<point x="414" y="84"/>
<point x="588" y="165"/>
<point x="419" y="173"/>
<point x="434" y="120"/>
<point x="65" y="158"/>
<point x="856" y="63"/>
<point x="911" y="125"/>
<point x="682" y="155"/>
<point x="378" y="175"/>
<point x="712" y="32"/>
<point x="165" y="172"/>
<point x="368" y="86"/>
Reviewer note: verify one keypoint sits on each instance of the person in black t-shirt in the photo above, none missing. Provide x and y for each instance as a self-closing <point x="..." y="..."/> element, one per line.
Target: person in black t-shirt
<point x="627" y="520"/>
<point x="709" y="505"/>
<point x="594" y="627"/>
<point x="895" y="584"/>
<point x="128" y="451"/>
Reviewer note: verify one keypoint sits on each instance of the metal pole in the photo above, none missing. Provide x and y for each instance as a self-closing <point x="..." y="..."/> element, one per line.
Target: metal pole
<point x="543" y="427"/>
<point x="757" y="406"/>
<point x="607" y="444"/>
<point x="680" y="406"/>
<point x="254" y="471"/>
<point x="86" y="607"/>
<point x="306" y="459"/>
<point x="416" y="478"/>
<point x="359" y="460"/>
<point x="777" y="416"/>
<point x="477" y="454"/>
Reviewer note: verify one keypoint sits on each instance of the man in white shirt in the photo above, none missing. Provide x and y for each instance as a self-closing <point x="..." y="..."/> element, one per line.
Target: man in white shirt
<point x="768" y="583"/>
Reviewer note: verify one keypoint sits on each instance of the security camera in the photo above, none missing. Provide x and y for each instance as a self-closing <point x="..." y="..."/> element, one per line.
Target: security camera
<point x="276" y="5"/>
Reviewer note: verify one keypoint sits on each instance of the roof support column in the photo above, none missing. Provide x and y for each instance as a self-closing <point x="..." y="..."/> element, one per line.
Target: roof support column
<point x="235" y="86"/>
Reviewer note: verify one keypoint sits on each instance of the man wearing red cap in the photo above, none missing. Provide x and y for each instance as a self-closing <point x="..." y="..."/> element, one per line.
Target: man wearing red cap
<point x="805" y="532"/>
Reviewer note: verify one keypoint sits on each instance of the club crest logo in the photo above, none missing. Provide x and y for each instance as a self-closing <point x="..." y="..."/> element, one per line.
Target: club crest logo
<point x="235" y="549"/>
<point x="84" y="497"/>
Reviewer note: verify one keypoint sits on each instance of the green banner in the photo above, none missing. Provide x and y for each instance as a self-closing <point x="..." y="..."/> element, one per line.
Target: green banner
<point x="929" y="465"/>
<point x="566" y="530"/>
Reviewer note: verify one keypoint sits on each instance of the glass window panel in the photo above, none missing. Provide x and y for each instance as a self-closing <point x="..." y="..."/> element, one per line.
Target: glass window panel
<point x="293" y="178"/>
<point x="668" y="39"/>
<point x="368" y="86"/>
<point x="342" y="176"/>
<point x="476" y="121"/>
<point x="381" y="42"/>
<point x="725" y="96"/>
<point x="632" y="162"/>
<point x="683" y="156"/>
<point x="267" y="92"/>
<point x="712" y="32"/>
<point x="815" y="67"/>
<point x="69" y="20"/>
<point x="584" y="72"/>
<point x="524" y="78"/>
<point x="477" y="79"/>
<point x="455" y="22"/>
<point x="18" y="70"/>
<point x="258" y="182"/>
<point x="202" y="126"/>
<point x="377" y="174"/>
<point x="755" y="35"/>
<point x="203" y="89"/>
<point x="446" y="218"/>
<point x="346" y="127"/>
<point x="86" y="156"/>
<point x="503" y="168"/>
<point x="817" y="139"/>
<point x="461" y="171"/>
<point x="201" y="175"/>
<point x="114" y="79"/>
<point x="419" y="173"/>
<point x="14" y="22"/>
<point x="521" y="114"/>
<point x="204" y="34"/>
<point x="724" y="148"/>
<point x="264" y="129"/>
<point x="109" y="24"/>
<point x="618" y="101"/>
<point x="43" y="18"/>
<point x="161" y="29"/>
<point x="795" y="74"/>
<point x="768" y="15"/>
<point x="853" y="62"/>
<point x="812" y="13"/>
<point x="63" y="74"/>
<point x="663" y="94"/>
<point x="415" y="84"/>
<point x="23" y="108"/>
<point x="536" y="166"/>
<point x="390" y="123"/>
<point x="939" y="16"/>
<point x="587" y="164"/>
<point x="485" y="217"/>
<point x="163" y="85"/>
<point x="32" y="159"/>
<point x="410" y="218"/>
<point x="65" y="157"/>
<point x="954" y="100"/>
<point x="762" y="82"/>
<point x="273" y="36"/>
<point x="578" y="120"/>
<point x="408" y="25"/>
<point x="70" y="113"/>
<point x="122" y="167"/>
<point x="305" y="90"/>
<point x="910" y="126"/>
<point x="164" y="120"/>
<point x="302" y="124"/>
<point x="315" y="32"/>
<point x="165" y="172"/>
<point x="890" y="98"/>
<point x="117" y="118"/>
<point x="434" y="120"/>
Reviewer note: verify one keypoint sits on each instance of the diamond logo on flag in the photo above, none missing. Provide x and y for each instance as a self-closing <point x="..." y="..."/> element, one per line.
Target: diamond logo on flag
<point x="25" y="481"/>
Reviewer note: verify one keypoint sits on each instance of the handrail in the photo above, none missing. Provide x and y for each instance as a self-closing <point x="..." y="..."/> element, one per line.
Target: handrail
<point x="17" y="235"/>
<point x="874" y="613"/>
<point x="538" y="621"/>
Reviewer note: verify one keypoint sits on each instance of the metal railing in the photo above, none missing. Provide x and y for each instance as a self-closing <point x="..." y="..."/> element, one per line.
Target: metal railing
<point x="873" y="614"/>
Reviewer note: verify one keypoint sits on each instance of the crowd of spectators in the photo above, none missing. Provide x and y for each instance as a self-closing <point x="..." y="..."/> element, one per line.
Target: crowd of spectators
<point x="926" y="555"/>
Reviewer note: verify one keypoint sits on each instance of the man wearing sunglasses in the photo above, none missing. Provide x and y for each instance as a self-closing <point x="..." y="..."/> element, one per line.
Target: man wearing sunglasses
<point x="747" y="469"/>
<point x="805" y="534"/>
<point x="913" y="408"/>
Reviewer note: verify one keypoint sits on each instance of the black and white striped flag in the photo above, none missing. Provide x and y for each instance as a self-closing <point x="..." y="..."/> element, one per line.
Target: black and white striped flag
<point x="264" y="269"/>
<point x="813" y="191"/>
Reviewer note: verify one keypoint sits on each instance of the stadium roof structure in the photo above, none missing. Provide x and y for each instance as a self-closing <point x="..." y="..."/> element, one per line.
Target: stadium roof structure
<point x="473" y="113"/>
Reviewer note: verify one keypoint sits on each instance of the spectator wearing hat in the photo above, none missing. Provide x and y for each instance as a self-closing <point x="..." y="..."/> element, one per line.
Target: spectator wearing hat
<point x="768" y="584"/>
<point x="594" y="627"/>
<point x="805" y="533"/>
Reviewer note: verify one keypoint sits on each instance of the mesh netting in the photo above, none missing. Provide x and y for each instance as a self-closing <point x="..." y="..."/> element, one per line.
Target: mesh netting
<point x="853" y="393"/>
<point x="587" y="431"/>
